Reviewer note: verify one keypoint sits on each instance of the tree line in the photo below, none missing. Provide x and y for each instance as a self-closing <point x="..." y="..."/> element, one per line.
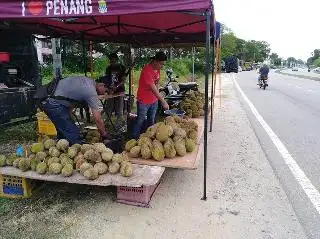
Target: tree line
<point x="252" y="50"/>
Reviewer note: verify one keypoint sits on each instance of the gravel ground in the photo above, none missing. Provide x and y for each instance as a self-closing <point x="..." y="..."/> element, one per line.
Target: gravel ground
<point x="245" y="199"/>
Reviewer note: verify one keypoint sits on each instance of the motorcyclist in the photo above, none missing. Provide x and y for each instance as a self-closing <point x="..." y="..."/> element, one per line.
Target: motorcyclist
<point x="263" y="72"/>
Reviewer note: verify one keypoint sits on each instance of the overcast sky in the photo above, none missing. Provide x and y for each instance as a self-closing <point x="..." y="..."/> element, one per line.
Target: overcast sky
<point x="290" y="27"/>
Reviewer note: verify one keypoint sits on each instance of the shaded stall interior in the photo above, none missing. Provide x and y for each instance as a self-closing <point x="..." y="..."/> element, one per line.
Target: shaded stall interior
<point x="19" y="76"/>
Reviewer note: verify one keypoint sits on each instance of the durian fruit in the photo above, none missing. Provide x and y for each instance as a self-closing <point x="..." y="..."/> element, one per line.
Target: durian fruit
<point x="145" y="141"/>
<point x="193" y="134"/>
<point x="94" y="140"/>
<point x="40" y="156"/>
<point x="41" y="168"/>
<point x="100" y="147"/>
<point x="130" y="144"/>
<point x="72" y="152"/>
<point x="77" y="146"/>
<point x="44" y="138"/>
<point x="62" y="145"/>
<point x="10" y="159"/>
<point x="174" y="125"/>
<point x="176" y="138"/>
<point x="177" y="119"/>
<point x="169" y="149"/>
<point x="64" y="161"/>
<point x="67" y="170"/>
<point x="54" y="152"/>
<point x="107" y="155"/>
<point x="180" y="132"/>
<point x="126" y="169"/>
<point x="3" y="160"/>
<point x="79" y="163"/>
<point x="101" y="167"/>
<point x="63" y="155"/>
<point x="32" y="156"/>
<point x="190" y="145"/>
<point x="156" y="126"/>
<point x="86" y="147"/>
<point x="93" y="133"/>
<point x="91" y="174"/>
<point x="37" y="147"/>
<point x="169" y="119"/>
<point x="114" y="168"/>
<point x="34" y="162"/>
<point x="145" y="151"/>
<point x="49" y="143"/>
<point x="157" y="150"/>
<point x="164" y="132"/>
<point x="78" y="157"/>
<point x="135" y="152"/>
<point x="180" y="147"/>
<point x="150" y="132"/>
<point x="92" y="156"/>
<point x="53" y="160"/>
<point x="85" y="166"/>
<point x="117" y="158"/>
<point x="16" y="163"/>
<point x="24" y="164"/>
<point x="55" y="168"/>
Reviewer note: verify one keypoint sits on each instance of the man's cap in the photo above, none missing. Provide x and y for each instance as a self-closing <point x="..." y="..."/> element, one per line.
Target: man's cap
<point x="160" y="56"/>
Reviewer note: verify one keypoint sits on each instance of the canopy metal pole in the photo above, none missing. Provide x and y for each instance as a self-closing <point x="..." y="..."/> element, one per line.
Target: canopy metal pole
<point x="213" y="92"/>
<point x="193" y="52"/>
<point x="206" y="92"/>
<point x="130" y="80"/>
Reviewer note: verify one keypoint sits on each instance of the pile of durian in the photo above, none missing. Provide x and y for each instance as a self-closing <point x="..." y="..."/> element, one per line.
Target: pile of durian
<point x="193" y="104"/>
<point x="56" y="157"/>
<point x="175" y="136"/>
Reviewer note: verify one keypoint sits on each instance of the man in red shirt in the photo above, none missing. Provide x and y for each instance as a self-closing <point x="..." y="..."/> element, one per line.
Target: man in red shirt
<point x="148" y="94"/>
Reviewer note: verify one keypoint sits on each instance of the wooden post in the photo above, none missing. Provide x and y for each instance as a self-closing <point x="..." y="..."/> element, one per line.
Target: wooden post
<point x="56" y="57"/>
<point x="91" y="59"/>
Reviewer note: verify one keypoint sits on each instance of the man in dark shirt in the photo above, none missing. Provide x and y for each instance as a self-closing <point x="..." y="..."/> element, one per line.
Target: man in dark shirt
<point x="114" y="81"/>
<point x="263" y="72"/>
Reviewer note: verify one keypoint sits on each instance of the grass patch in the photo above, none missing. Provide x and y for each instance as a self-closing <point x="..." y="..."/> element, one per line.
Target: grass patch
<point x="22" y="132"/>
<point x="6" y="205"/>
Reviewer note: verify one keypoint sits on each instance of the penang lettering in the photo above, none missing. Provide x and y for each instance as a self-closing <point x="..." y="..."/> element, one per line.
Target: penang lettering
<point x="68" y="7"/>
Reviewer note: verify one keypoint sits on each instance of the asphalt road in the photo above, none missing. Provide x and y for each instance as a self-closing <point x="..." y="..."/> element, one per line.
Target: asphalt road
<point x="291" y="107"/>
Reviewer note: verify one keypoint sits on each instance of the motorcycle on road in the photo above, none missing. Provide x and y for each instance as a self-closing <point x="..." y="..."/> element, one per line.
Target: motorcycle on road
<point x="263" y="82"/>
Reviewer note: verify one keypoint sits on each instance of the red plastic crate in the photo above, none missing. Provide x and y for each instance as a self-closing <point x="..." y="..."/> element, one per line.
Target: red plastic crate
<point x="140" y="196"/>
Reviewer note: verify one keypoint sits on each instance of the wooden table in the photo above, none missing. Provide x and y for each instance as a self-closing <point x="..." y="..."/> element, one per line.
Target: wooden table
<point x="143" y="175"/>
<point x="110" y="96"/>
<point x="189" y="161"/>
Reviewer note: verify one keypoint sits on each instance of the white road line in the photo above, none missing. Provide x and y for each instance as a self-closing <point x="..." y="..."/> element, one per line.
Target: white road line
<point x="297" y="172"/>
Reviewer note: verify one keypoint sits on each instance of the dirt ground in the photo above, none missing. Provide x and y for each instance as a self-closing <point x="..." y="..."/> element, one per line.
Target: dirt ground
<point x="245" y="199"/>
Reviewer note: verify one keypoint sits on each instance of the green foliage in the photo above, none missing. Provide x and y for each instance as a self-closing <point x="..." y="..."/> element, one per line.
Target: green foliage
<point x="100" y="64"/>
<point x="317" y="62"/>
<point x="252" y="51"/>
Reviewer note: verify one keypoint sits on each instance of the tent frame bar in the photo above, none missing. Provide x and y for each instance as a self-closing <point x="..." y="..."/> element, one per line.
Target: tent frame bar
<point x="206" y="104"/>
